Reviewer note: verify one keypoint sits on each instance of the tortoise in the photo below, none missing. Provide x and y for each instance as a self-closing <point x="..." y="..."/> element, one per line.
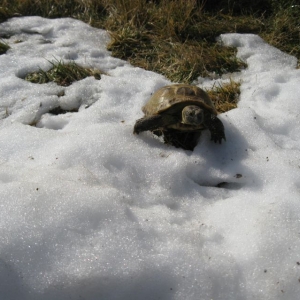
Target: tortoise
<point x="180" y="112"/>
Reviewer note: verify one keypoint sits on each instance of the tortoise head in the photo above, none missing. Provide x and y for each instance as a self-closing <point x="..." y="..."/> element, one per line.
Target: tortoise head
<point x="192" y="115"/>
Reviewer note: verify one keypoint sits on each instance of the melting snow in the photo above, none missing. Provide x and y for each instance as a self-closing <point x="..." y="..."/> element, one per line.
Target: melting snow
<point x="91" y="211"/>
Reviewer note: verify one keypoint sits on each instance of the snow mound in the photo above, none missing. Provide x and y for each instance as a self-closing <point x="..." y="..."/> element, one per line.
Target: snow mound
<point x="89" y="210"/>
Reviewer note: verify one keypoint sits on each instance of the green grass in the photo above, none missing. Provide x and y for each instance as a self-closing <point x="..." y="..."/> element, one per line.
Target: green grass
<point x="176" y="38"/>
<point x="283" y="30"/>
<point x="3" y="48"/>
<point x="62" y="73"/>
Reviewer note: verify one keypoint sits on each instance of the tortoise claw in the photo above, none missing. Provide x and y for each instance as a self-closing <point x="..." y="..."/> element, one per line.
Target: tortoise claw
<point x="217" y="138"/>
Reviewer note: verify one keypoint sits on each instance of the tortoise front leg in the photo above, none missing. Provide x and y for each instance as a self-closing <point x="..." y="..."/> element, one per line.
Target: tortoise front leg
<point x="153" y="122"/>
<point x="216" y="129"/>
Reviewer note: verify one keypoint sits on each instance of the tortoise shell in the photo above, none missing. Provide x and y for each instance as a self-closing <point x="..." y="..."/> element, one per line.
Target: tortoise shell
<point x="172" y="99"/>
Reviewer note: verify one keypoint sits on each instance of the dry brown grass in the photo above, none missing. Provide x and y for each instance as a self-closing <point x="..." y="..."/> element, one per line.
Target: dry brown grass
<point x="225" y="96"/>
<point x="177" y="38"/>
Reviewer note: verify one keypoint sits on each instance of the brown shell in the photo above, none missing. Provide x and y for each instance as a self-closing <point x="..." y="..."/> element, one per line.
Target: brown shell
<point x="169" y="96"/>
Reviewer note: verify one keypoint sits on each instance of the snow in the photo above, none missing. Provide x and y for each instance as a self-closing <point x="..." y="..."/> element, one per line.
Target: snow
<point x="91" y="211"/>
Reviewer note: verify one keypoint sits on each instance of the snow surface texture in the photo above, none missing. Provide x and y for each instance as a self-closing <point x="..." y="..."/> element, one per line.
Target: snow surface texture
<point x="91" y="211"/>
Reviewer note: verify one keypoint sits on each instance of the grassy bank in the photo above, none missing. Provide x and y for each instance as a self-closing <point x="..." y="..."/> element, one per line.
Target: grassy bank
<point x="176" y="38"/>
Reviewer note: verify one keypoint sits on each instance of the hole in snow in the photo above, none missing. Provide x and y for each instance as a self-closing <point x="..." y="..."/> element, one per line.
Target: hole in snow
<point x="56" y="118"/>
<point x="222" y="184"/>
<point x="230" y="185"/>
<point x="55" y="122"/>
<point x="60" y="111"/>
<point x="62" y="73"/>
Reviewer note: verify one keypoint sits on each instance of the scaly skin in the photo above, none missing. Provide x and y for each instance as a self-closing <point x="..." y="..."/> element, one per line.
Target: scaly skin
<point x="216" y="128"/>
<point x="153" y="122"/>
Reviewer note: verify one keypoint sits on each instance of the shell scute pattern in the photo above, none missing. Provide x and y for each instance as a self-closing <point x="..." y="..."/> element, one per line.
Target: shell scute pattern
<point x="169" y="96"/>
